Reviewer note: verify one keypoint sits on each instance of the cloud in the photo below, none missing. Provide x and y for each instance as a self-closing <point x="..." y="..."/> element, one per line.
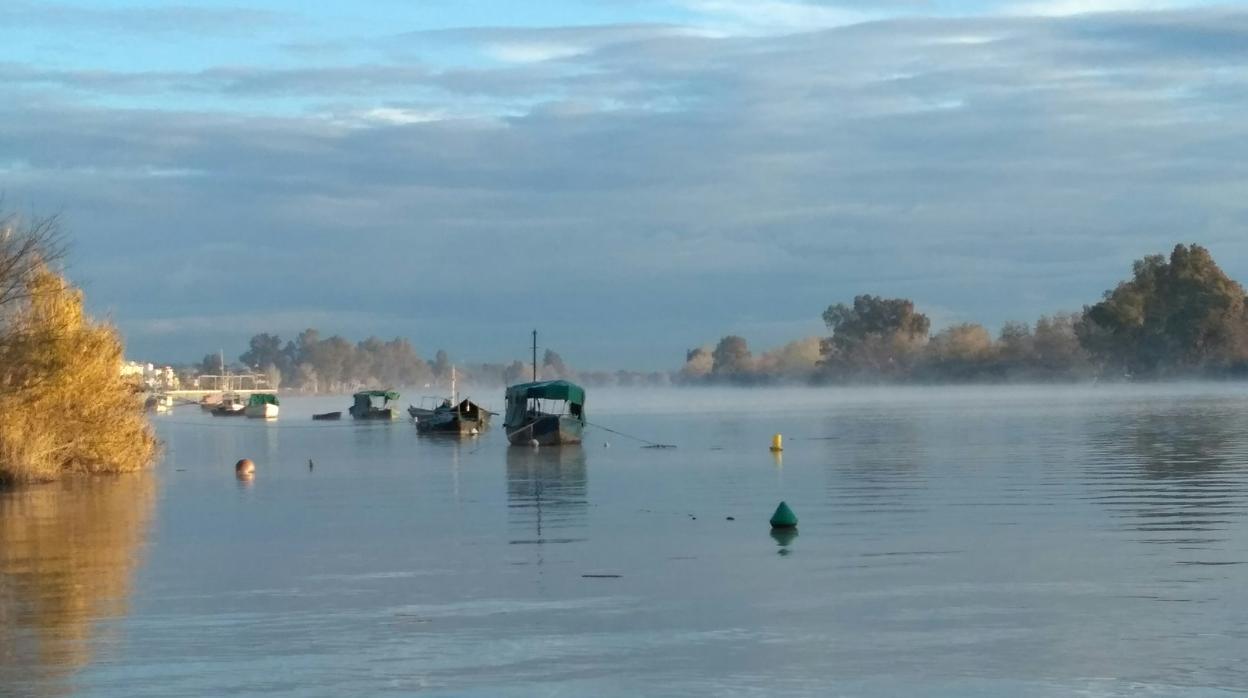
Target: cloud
<point x="662" y="186"/>
<point x="182" y="19"/>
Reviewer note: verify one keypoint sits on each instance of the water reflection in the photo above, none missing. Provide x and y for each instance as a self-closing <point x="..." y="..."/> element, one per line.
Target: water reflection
<point x="876" y="462"/>
<point x="546" y="494"/>
<point x="1172" y="473"/>
<point x="784" y="538"/>
<point x="67" y="554"/>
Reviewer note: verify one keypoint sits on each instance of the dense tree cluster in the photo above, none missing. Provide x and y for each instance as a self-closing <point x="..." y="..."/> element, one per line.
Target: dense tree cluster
<point x="1181" y="316"/>
<point x="1178" y="316"/>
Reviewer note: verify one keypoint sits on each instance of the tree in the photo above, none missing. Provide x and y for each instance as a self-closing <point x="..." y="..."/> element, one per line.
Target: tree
<point x="263" y="351"/>
<point x="795" y="360"/>
<point x="876" y="335"/>
<point x="731" y="358"/>
<point x="698" y="364"/>
<point x="516" y="372"/>
<point x="66" y="406"/>
<point x="441" y="366"/>
<point x="552" y="365"/>
<point x="1174" y="315"/>
<point x="966" y="342"/>
<point x="1056" y="346"/>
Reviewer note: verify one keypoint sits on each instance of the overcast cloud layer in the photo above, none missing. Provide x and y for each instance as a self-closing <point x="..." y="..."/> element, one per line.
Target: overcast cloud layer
<point x="631" y="187"/>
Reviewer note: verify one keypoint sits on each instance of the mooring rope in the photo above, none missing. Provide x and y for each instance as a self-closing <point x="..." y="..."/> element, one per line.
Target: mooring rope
<point x="649" y="443"/>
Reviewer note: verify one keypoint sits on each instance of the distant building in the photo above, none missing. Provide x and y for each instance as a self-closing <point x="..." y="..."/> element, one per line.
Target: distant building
<point x="150" y="376"/>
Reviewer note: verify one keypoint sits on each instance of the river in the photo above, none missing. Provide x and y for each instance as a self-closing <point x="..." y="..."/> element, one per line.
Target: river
<point x="1032" y="541"/>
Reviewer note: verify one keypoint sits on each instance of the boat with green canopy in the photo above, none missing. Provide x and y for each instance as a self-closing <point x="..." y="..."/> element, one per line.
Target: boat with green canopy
<point x="375" y="404"/>
<point x="548" y="412"/>
<point x="262" y="406"/>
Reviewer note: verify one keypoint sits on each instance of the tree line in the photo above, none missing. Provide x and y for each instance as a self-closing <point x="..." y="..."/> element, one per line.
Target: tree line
<point x="1180" y="316"/>
<point x="334" y="364"/>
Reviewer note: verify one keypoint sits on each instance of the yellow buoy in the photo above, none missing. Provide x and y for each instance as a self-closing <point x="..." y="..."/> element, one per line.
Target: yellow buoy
<point x="777" y="443"/>
<point x="245" y="469"/>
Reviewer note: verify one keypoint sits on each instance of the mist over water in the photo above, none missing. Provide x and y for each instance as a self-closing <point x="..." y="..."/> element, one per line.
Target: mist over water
<point x="1033" y="541"/>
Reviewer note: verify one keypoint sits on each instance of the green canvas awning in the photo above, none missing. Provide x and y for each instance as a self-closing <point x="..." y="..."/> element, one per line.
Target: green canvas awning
<point x="548" y="390"/>
<point x="386" y="394"/>
<point x="262" y="398"/>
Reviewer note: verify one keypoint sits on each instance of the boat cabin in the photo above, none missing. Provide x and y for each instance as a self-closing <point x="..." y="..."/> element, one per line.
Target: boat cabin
<point x="374" y="404"/>
<point x="558" y="398"/>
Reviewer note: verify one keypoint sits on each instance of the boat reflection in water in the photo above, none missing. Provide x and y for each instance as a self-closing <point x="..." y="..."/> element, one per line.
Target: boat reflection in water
<point x="68" y="552"/>
<point x="546" y="494"/>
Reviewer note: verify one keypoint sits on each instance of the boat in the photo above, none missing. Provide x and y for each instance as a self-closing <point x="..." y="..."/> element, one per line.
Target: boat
<point x="230" y="405"/>
<point x="327" y="415"/>
<point x="452" y="416"/>
<point x="548" y="413"/>
<point x="262" y="406"/>
<point x="465" y="418"/>
<point x="374" y="404"/>
<point x="159" y="403"/>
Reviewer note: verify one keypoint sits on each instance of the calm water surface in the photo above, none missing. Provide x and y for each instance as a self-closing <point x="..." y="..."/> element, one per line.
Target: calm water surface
<point x="953" y="542"/>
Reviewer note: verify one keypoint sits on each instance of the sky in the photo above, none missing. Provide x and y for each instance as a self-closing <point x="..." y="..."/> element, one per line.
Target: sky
<point x="633" y="178"/>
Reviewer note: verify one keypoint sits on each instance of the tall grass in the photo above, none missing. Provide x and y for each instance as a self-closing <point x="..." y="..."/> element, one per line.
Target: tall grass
<point x="64" y="407"/>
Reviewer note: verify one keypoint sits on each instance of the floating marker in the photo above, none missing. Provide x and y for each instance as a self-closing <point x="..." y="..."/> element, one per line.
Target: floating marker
<point x="784" y="517"/>
<point x="245" y="469"/>
<point x="777" y="443"/>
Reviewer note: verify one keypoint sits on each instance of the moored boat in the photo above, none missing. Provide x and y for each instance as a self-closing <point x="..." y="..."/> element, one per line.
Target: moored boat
<point x="548" y="412"/>
<point x="262" y="406"/>
<point x="230" y="406"/>
<point x="327" y="416"/>
<point x="374" y="404"/>
<point x="465" y="418"/>
<point x="452" y="415"/>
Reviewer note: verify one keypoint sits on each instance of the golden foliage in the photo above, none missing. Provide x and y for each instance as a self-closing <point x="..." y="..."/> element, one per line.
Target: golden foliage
<point x="64" y="405"/>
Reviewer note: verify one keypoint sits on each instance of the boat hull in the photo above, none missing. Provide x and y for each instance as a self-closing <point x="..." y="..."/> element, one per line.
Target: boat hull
<point x="450" y="423"/>
<point x="547" y="430"/>
<point x="385" y="413"/>
<point x="326" y="416"/>
<point x="265" y="411"/>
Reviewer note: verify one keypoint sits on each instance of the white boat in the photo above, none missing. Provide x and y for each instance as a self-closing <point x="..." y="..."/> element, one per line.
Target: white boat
<point x="262" y="406"/>
<point x="230" y="406"/>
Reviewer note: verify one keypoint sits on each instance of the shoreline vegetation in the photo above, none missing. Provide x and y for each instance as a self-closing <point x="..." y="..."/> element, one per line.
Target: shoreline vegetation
<point x="1179" y="317"/>
<point x="65" y="406"/>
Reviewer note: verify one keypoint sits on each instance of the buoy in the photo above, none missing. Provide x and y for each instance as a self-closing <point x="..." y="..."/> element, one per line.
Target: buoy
<point x="245" y="468"/>
<point x="784" y="517"/>
<point x="534" y="443"/>
<point x="777" y="443"/>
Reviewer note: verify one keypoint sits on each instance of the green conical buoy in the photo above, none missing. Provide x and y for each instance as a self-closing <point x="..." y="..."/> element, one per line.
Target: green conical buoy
<point x="784" y="517"/>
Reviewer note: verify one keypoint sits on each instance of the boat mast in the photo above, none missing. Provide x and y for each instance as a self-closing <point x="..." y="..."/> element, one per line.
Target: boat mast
<point x="454" y="392"/>
<point x="534" y="356"/>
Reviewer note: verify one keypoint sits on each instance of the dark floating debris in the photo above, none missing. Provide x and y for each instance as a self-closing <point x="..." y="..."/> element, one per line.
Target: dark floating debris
<point x="601" y="576"/>
<point x="784" y="517"/>
<point x="660" y="446"/>
<point x="731" y="518"/>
